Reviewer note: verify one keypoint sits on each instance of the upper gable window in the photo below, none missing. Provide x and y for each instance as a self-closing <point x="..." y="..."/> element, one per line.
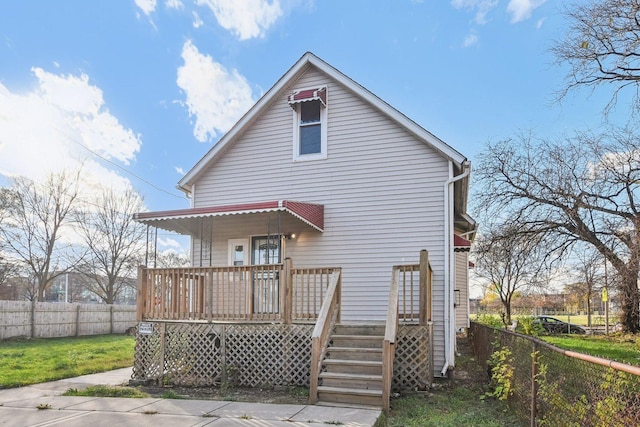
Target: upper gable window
<point x="310" y="123"/>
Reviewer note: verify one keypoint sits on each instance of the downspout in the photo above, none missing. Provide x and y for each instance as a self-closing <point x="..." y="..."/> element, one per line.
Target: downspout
<point x="449" y="263"/>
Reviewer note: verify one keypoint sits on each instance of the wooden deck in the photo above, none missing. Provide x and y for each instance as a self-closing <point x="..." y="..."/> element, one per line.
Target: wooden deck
<point x="275" y="324"/>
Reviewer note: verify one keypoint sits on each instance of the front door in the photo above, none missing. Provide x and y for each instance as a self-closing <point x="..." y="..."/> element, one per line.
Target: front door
<point x="266" y="250"/>
<point x="238" y="252"/>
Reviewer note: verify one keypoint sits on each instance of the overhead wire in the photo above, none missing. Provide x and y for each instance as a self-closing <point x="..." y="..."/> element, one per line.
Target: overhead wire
<point x="122" y="168"/>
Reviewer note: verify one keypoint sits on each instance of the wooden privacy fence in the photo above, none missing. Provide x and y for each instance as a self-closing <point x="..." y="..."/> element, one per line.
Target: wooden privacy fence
<point x="52" y="319"/>
<point x="274" y="292"/>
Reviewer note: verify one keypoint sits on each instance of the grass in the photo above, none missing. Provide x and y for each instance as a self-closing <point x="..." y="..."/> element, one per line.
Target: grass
<point x="455" y="408"/>
<point x="107" y="391"/>
<point x="583" y="319"/>
<point x="619" y="347"/>
<point x="170" y="394"/>
<point x="31" y="361"/>
<point x="576" y="319"/>
<point x="461" y="403"/>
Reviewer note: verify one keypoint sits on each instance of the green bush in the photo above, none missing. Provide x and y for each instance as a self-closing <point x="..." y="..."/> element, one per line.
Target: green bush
<point x="527" y="326"/>
<point x="489" y="320"/>
<point x="502" y="371"/>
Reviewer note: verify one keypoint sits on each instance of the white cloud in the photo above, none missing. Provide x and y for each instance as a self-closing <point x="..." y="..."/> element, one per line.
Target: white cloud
<point x="179" y="170"/>
<point x="482" y="8"/>
<point x="147" y="6"/>
<point x="174" y="4"/>
<point x="521" y="10"/>
<point x="470" y="40"/>
<point x="245" y="18"/>
<point x="53" y="127"/>
<point x="197" y="21"/>
<point x="168" y="243"/>
<point x="540" y="22"/>
<point x="216" y="96"/>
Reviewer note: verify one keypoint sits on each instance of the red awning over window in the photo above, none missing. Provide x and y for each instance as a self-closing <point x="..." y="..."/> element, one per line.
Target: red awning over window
<point x="309" y="95"/>
<point x="460" y="244"/>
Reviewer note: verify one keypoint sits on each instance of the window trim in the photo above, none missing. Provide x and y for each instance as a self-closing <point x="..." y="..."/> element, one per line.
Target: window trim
<point x="297" y="157"/>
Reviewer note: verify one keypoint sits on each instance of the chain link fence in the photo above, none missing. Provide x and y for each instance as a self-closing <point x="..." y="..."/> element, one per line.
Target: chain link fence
<point x="554" y="387"/>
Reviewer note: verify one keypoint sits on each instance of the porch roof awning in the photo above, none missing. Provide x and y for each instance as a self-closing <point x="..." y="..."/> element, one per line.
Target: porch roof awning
<point x="177" y="220"/>
<point x="309" y="95"/>
<point x="460" y="244"/>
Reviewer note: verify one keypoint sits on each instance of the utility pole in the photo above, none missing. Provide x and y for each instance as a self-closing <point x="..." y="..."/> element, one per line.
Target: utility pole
<point x="605" y="300"/>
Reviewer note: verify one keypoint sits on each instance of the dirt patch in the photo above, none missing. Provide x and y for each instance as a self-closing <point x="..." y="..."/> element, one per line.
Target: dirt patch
<point x="290" y="395"/>
<point x="467" y="368"/>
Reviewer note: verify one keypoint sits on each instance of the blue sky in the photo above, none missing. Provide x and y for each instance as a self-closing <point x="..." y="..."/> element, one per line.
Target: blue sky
<point x="136" y="91"/>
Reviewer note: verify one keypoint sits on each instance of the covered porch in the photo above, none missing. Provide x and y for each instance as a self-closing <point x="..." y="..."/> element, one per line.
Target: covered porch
<point x="238" y="234"/>
<point x="263" y="319"/>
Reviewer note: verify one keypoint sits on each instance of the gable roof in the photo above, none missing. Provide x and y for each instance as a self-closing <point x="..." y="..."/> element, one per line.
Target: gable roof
<point x="293" y="73"/>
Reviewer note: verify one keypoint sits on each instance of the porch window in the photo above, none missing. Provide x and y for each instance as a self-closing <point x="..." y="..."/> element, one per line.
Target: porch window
<point x="310" y="124"/>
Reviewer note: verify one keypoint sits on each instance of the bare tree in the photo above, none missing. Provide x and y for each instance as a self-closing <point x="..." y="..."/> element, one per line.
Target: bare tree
<point x="601" y="46"/>
<point x="34" y="217"/>
<point x="8" y="270"/>
<point x="115" y="242"/>
<point x="171" y="259"/>
<point x="511" y="262"/>
<point x="580" y="189"/>
<point x="588" y="267"/>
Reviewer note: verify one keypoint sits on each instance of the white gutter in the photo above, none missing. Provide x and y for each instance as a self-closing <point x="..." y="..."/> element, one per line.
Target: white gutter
<point x="449" y="265"/>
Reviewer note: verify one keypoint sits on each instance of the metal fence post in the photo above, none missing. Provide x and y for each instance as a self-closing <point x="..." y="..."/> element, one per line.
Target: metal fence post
<point x="534" y="384"/>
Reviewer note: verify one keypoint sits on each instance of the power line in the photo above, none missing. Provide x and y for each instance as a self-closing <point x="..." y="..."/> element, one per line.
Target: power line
<point x="122" y="168"/>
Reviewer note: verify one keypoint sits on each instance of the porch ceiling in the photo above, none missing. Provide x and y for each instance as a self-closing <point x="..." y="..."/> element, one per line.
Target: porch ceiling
<point x="189" y="221"/>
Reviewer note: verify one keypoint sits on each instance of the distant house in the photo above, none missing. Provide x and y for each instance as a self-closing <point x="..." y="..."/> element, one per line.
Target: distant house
<point x="323" y="172"/>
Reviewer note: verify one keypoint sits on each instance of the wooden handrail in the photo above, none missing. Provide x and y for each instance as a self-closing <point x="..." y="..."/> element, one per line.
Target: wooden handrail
<point x="390" y="334"/>
<point x="410" y="292"/>
<point x="327" y="318"/>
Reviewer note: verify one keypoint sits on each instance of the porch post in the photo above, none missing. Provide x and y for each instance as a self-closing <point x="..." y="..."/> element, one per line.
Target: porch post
<point x="286" y="295"/>
<point x="425" y="299"/>
<point x="141" y="293"/>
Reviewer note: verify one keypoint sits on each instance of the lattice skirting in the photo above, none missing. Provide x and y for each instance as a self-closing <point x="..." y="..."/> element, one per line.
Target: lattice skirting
<point x="413" y="363"/>
<point x="205" y="354"/>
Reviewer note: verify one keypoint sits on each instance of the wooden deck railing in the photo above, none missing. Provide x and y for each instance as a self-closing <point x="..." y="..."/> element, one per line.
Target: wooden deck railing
<point x="327" y="318"/>
<point x="414" y="291"/>
<point x="409" y="302"/>
<point x="390" y="334"/>
<point x="275" y="292"/>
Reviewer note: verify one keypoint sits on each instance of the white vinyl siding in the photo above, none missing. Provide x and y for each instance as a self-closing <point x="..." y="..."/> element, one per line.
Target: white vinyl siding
<point x="382" y="190"/>
<point x="462" y="285"/>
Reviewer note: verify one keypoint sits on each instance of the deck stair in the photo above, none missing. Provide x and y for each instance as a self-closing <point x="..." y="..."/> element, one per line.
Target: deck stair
<point x="352" y="366"/>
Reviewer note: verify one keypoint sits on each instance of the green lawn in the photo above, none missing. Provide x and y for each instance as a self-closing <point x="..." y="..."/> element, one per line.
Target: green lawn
<point x="456" y="407"/>
<point x="32" y="361"/>
<point x="462" y="402"/>
<point x="619" y="347"/>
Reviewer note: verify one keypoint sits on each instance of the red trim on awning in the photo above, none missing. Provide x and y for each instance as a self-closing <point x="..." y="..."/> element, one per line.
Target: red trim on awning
<point x="309" y="95"/>
<point x="460" y="244"/>
<point x="313" y="214"/>
<point x="309" y="213"/>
